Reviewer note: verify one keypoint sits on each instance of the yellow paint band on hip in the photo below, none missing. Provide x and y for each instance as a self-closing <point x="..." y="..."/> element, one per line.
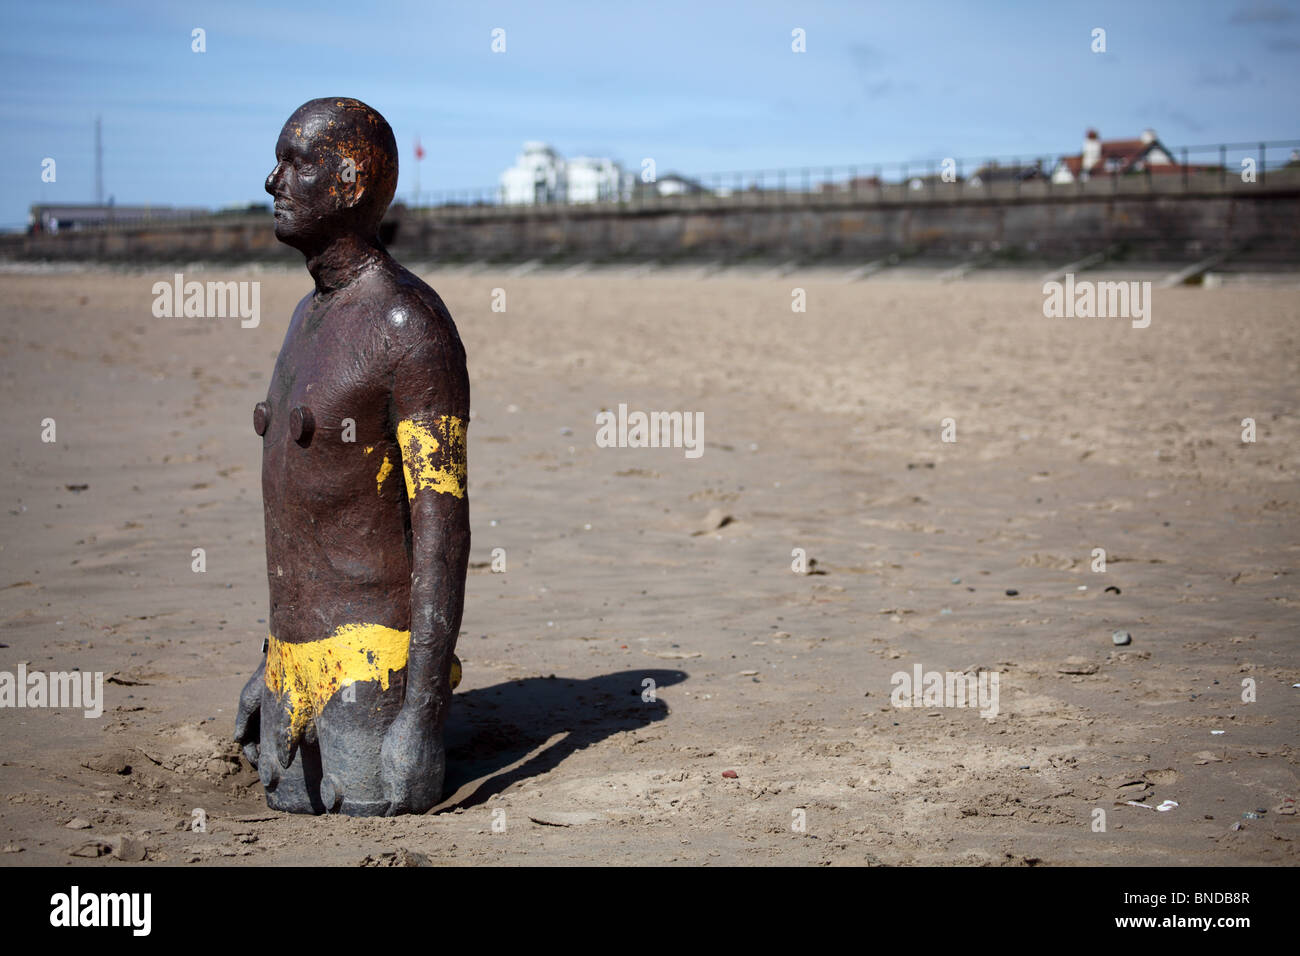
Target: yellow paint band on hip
<point x="433" y="455"/>
<point x="305" y="676"/>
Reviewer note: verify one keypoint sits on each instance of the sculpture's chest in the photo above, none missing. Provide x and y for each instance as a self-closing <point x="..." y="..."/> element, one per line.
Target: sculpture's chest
<point x="329" y="388"/>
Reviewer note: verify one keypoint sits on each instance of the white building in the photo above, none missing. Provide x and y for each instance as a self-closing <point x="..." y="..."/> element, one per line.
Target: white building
<point x="541" y="175"/>
<point x="675" y="184"/>
<point x="1115" y="157"/>
<point x="538" y="176"/>
<point x="672" y="184"/>
<point x="592" y="179"/>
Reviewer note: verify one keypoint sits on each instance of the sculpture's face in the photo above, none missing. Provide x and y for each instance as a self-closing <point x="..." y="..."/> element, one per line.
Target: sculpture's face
<point x="305" y="181"/>
<point x="335" y="173"/>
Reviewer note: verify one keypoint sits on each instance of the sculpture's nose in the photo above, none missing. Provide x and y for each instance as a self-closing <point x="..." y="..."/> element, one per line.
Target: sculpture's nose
<point x="273" y="179"/>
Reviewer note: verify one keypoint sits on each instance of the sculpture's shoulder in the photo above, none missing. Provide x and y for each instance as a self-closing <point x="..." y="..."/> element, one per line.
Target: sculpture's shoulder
<point x="414" y="320"/>
<point x="299" y="311"/>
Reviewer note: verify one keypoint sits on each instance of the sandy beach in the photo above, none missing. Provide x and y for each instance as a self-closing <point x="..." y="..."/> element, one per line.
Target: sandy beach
<point x="823" y="431"/>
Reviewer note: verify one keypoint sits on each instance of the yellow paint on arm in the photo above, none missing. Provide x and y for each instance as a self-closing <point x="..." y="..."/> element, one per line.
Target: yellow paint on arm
<point x="384" y="470"/>
<point x="433" y="455"/>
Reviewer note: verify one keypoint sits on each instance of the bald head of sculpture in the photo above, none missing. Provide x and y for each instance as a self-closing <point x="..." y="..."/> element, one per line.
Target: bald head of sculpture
<point x="335" y="173"/>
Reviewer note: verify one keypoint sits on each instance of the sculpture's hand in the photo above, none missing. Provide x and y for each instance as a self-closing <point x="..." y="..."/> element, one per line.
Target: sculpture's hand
<point x="248" y="719"/>
<point x="413" y="763"/>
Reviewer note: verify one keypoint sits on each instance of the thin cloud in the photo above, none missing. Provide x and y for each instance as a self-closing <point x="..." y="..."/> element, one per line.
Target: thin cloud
<point x="1213" y="77"/>
<point x="869" y="63"/>
<point x="1164" y="115"/>
<point x="866" y="59"/>
<point x="1262" y="13"/>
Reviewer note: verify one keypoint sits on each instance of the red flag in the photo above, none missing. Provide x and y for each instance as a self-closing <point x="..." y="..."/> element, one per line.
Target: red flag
<point x="419" y="150"/>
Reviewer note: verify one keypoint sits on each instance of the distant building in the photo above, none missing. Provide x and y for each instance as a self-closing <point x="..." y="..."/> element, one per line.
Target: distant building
<point x="245" y="209"/>
<point x="670" y="184"/>
<point x="1115" y="157"/>
<point x="674" y="184"/>
<point x="854" y="184"/>
<point x="541" y="175"/>
<point x="926" y="180"/>
<point x="53" y="217"/>
<point x="537" y="177"/>
<point x="592" y="179"/>
<point x="992" y="173"/>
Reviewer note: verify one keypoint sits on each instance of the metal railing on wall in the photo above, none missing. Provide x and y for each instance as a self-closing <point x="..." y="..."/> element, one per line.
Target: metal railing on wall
<point x="1218" y="167"/>
<point x="1207" y="169"/>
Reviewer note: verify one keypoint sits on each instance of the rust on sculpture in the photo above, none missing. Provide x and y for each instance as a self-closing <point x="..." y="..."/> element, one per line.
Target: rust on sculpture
<point x="364" y="492"/>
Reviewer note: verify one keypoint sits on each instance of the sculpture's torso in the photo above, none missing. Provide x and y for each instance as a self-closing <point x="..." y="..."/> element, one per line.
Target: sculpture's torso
<point x="334" y="554"/>
<point x="337" y="518"/>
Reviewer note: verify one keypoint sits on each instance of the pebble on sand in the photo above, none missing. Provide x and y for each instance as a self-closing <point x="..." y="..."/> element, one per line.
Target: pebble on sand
<point x="730" y="774"/>
<point x="129" y="849"/>
<point x="91" y="850"/>
<point x="713" y="521"/>
<point x="1120" y="638"/>
<point x="1012" y="592"/>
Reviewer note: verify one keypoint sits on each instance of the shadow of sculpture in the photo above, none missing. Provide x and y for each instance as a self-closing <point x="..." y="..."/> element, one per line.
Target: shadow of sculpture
<point x="492" y="728"/>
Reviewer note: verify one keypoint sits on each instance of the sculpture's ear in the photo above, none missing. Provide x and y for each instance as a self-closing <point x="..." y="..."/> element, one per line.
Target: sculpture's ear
<point x="352" y="173"/>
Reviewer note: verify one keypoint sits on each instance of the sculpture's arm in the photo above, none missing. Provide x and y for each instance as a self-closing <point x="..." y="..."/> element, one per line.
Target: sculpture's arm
<point x="430" y="400"/>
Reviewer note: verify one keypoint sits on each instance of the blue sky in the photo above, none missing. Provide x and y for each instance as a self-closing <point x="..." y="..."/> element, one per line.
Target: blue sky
<point x="700" y="87"/>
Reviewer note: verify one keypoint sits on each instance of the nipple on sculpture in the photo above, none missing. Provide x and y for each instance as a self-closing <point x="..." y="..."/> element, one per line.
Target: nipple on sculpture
<point x="302" y="424"/>
<point x="261" y="417"/>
